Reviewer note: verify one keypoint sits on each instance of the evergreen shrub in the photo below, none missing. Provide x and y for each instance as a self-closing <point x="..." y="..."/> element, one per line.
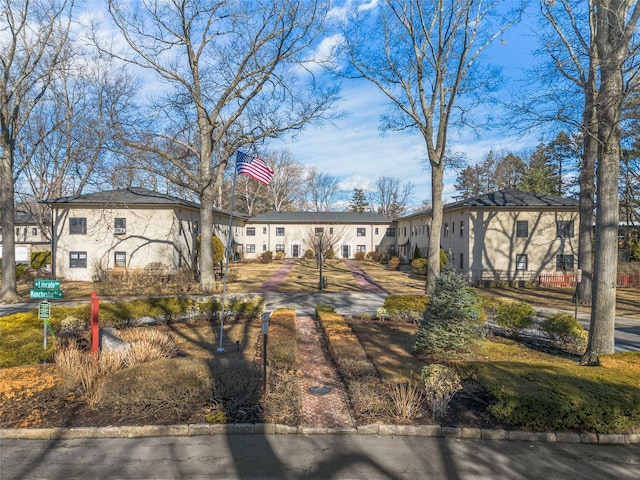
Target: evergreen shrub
<point x="375" y="256"/>
<point x="40" y="259"/>
<point x="405" y="307"/>
<point x="359" y="256"/>
<point x="564" y="330"/>
<point x="394" y="263"/>
<point x="452" y="321"/>
<point x="514" y="317"/>
<point x="419" y="266"/>
<point x="266" y="257"/>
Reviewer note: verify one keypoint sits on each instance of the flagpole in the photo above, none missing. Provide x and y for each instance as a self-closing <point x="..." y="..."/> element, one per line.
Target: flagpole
<point x="228" y="252"/>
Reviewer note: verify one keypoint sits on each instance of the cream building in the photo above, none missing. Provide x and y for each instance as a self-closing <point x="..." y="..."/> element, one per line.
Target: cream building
<point x="128" y="228"/>
<point x="508" y="236"/>
<point x="29" y="237"/>
<point x="292" y="233"/>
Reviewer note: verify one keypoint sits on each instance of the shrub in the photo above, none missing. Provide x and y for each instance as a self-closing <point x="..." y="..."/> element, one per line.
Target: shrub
<point x="279" y="255"/>
<point x="394" y="263"/>
<point x="452" y="319"/>
<point x="406" y="400"/>
<point x="40" y="259"/>
<point x="359" y="256"/>
<point x="266" y="257"/>
<point x="308" y="254"/>
<point x="563" y="329"/>
<point x="405" y="307"/>
<point x="515" y="317"/>
<point x="324" y="308"/>
<point x="419" y="266"/>
<point x="329" y="254"/>
<point x="635" y="250"/>
<point x="375" y="256"/>
<point x="440" y="383"/>
<point x="417" y="253"/>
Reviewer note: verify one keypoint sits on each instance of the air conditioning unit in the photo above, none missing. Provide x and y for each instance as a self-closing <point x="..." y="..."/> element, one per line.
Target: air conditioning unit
<point x="120" y="230"/>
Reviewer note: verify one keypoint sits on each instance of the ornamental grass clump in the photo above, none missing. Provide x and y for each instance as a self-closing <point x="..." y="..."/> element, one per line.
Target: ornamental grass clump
<point x="452" y="321"/>
<point x="440" y="384"/>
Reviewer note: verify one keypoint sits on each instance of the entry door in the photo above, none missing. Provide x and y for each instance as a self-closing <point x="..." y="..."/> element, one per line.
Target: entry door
<point x="345" y="251"/>
<point x="295" y="251"/>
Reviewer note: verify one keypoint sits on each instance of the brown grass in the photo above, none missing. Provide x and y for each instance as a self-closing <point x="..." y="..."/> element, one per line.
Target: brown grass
<point x="305" y="277"/>
<point x="400" y="282"/>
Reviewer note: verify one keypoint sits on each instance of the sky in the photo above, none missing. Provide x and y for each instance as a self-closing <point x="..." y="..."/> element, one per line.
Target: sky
<point x="354" y="150"/>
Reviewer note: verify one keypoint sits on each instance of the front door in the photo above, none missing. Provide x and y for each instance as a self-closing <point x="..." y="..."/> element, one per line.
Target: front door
<point x="295" y="251"/>
<point x="345" y="251"/>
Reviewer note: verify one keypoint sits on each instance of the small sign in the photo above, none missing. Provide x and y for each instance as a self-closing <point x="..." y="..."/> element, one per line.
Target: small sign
<point x="46" y="284"/>
<point x="266" y="316"/>
<point x="44" y="310"/>
<point x="41" y="293"/>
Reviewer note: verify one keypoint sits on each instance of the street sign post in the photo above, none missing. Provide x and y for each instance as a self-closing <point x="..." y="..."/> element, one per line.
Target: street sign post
<point x="39" y="293"/>
<point x="44" y="313"/>
<point x="46" y="284"/>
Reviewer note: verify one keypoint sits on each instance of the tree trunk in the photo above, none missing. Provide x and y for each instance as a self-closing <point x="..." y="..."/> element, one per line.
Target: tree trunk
<point x="587" y="191"/>
<point x="433" y="260"/>
<point x="611" y="50"/>
<point x="8" y="290"/>
<point x="207" y="277"/>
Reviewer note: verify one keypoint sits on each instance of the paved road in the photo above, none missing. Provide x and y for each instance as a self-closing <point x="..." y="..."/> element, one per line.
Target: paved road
<point x="312" y="457"/>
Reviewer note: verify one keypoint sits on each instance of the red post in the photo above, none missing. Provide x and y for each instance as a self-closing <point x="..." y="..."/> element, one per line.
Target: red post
<point x="95" y="339"/>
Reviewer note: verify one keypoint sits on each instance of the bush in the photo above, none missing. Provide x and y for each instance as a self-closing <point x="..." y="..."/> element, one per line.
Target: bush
<point x="40" y="259"/>
<point x="452" y="319"/>
<point x="405" y="307"/>
<point x="440" y="383"/>
<point x="266" y="257"/>
<point x="376" y="256"/>
<point x="279" y="255"/>
<point x="394" y="263"/>
<point x="406" y="400"/>
<point x="308" y="254"/>
<point x="419" y="266"/>
<point x="359" y="256"/>
<point x="417" y="253"/>
<point x="564" y="330"/>
<point x="514" y="317"/>
<point x="329" y="254"/>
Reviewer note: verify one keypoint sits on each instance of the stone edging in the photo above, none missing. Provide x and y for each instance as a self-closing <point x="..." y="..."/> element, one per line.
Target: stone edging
<point x="278" y="429"/>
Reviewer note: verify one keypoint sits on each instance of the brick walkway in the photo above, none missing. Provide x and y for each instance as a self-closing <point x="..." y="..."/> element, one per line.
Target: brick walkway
<point x="364" y="281"/>
<point x="275" y="280"/>
<point x="328" y="410"/>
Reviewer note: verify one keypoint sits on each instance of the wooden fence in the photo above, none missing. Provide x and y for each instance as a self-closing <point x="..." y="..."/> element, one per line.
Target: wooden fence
<point x="568" y="280"/>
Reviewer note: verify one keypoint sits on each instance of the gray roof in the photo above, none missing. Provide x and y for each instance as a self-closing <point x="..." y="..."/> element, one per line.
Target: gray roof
<point x="507" y="199"/>
<point x="320" y="217"/>
<point x="131" y="196"/>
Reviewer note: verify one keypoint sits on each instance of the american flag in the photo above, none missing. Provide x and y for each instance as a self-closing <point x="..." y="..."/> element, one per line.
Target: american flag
<point x="254" y="167"/>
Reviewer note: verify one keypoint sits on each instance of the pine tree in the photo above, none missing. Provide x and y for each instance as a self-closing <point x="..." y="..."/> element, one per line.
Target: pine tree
<point x="358" y="201"/>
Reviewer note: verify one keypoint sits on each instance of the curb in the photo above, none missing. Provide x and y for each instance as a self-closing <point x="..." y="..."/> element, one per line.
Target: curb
<point x="191" y="430"/>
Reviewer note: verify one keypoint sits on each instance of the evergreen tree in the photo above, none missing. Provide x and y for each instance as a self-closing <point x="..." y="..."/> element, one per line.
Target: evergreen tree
<point x="358" y="201"/>
<point x="539" y="177"/>
<point x="451" y="321"/>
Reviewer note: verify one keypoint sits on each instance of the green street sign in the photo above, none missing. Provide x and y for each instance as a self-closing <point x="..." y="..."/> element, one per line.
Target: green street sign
<point x="45" y="284"/>
<point x="44" y="310"/>
<point x="43" y="294"/>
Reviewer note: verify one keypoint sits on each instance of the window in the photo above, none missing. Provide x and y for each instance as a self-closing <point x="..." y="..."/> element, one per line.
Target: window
<point x="120" y="259"/>
<point x="280" y="247"/>
<point x="392" y="249"/>
<point x="391" y="232"/>
<point x="522" y="262"/>
<point x="522" y="228"/>
<point x="196" y="227"/>
<point x="361" y="232"/>
<point x="319" y="230"/>
<point x="445" y="230"/>
<point x="361" y="248"/>
<point x="34" y="231"/>
<point x="280" y="232"/>
<point x="404" y="231"/>
<point x="564" y="262"/>
<point x="78" y="225"/>
<point x="251" y="248"/>
<point x="264" y="247"/>
<point x="462" y="228"/>
<point x="462" y="260"/>
<point x="119" y="226"/>
<point x="251" y="231"/>
<point x="264" y="230"/>
<point x="376" y="230"/>
<point x="564" y="228"/>
<point x="330" y="230"/>
<point x="77" y="259"/>
<point x="453" y="227"/>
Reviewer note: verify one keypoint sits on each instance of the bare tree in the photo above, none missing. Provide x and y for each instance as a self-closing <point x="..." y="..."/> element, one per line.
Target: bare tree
<point x="323" y="191"/>
<point x="285" y="191"/>
<point x="33" y="41"/>
<point x="616" y="22"/>
<point x="391" y="196"/>
<point x="422" y="55"/>
<point x="232" y="78"/>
